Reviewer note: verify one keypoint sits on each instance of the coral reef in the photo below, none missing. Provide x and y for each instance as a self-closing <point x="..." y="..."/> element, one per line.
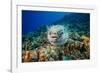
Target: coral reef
<point x="37" y="48"/>
<point x="55" y="36"/>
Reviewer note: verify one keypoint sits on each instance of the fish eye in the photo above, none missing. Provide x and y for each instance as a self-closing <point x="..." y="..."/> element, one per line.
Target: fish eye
<point x="49" y="33"/>
<point x="60" y="33"/>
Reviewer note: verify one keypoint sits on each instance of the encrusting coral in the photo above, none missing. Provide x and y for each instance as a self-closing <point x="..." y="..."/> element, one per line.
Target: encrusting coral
<point x="56" y="45"/>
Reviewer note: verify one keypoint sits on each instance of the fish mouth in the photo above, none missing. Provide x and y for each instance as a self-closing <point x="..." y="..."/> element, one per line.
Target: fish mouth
<point x="54" y="37"/>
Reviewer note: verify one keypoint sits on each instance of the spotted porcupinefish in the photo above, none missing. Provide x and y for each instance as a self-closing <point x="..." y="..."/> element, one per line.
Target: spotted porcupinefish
<point x="57" y="35"/>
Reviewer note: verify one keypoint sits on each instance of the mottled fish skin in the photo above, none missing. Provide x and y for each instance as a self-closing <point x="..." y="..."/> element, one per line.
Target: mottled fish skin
<point x="60" y="32"/>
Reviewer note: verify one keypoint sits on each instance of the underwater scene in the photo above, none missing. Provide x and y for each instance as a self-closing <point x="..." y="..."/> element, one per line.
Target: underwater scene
<point x="55" y="36"/>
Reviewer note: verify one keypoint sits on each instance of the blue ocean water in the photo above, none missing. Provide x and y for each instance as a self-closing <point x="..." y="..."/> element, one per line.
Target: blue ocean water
<point x="32" y="20"/>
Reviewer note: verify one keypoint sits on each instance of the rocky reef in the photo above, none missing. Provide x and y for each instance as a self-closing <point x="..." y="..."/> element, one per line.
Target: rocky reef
<point x="37" y="48"/>
<point x="60" y="40"/>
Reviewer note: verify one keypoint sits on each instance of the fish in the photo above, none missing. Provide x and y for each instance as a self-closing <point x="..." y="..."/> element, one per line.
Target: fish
<point x="57" y="35"/>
